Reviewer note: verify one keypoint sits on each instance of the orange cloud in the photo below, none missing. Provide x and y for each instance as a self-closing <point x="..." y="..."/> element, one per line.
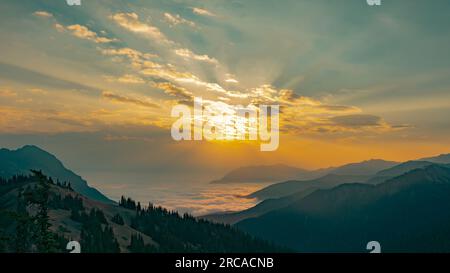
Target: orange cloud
<point x="84" y="33"/>
<point x="131" y="22"/>
<point x="186" y="53"/>
<point x="127" y="78"/>
<point x="203" y="12"/>
<point x="43" y="14"/>
<point x="126" y="99"/>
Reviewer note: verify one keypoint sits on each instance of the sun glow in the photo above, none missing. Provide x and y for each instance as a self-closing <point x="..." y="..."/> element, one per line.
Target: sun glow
<point x="220" y="121"/>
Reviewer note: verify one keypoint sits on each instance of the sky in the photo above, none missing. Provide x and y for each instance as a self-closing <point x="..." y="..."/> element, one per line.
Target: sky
<point x="95" y="84"/>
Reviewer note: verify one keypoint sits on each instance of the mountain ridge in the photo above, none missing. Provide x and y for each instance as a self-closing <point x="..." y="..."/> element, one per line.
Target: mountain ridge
<point x="22" y="160"/>
<point x="343" y="218"/>
<point x="260" y="174"/>
<point x="281" y="172"/>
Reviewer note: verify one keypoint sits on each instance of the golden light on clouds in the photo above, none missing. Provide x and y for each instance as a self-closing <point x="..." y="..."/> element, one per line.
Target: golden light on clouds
<point x="132" y="66"/>
<point x="84" y="33"/>
<point x="131" y="22"/>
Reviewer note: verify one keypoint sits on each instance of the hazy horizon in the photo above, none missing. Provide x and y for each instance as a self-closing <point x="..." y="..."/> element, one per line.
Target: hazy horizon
<point x="190" y="192"/>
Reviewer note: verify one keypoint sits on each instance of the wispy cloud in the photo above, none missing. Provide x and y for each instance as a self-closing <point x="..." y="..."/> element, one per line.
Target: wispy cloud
<point x="357" y="121"/>
<point x="188" y="54"/>
<point x="143" y="64"/>
<point x="59" y="27"/>
<point x="176" y="91"/>
<point x="127" y="78"/>
<point x="43" y="14"/>
<point x="229" y="78"/>
<point x="131" y="22"/>
<point x="85" y="33"/>
<point x="127" y="99"/>
<point x="203" y="12"/>
<point x="132" y="54"/>
<point x="307" y="115"/>
<point x="176" y="19"/>
<point x="7" y="93"/>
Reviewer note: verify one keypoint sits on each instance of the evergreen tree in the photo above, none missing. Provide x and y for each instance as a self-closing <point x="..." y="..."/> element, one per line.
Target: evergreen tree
<point x="110" y="243"/>
<point x="45" y="241"/>
<point x="22" y="239"/>
<point x="3" y="241"/>
<point x="118" y="219"/>
<point x="96" y="235"/>
<point x="137" y="244"/>
<point x="75" y="215"/>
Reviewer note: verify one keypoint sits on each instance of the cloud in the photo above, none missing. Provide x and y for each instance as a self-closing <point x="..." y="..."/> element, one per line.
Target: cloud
<point x="110" y="137"/>
<point x="142" y="63"/>
<point x="7" y="93"/>
<point x="301" y="114"/>
<point x="188" y="54"/>
<point x="132" y="54"/>
<point x="176" y="19"/>
<point x="71" y="121"/>
<point x="175" y="91"/>
<point x="208" y="85"/>
<point x="267" y="94"/>
<point x="231" y="81"/>
<point x="203" y="12"/>
<point x="127" y="78"/>
<point x="35" y="120"/>
<point x="338" y="108"/>
<point x="38" y="91"/>
<point x="357" y="121"/>
<point x="43" y="14"/>
<point x="125" y="99"/>
<point x="36" y="78"/>
<point x="146" y="67"/>
<point x="170" y="73"/>
<point x="59" y="27"/>
<point x="84" y="33"/>
<point x="164" y="72"/>
<point x="130" y="21"/>
<point x="264" y="94"/>
<point x="229" y="78"/>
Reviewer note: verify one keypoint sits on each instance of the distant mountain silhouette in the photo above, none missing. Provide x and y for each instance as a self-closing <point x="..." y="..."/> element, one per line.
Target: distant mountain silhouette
<point x="20" y="161"/>
<point x="264" y="173"/>
<point x="349" y="173"/>
<point x="280" y="172"/>
<point x="289" y="187"/>
<point x="397" y="170"/>
<point x="282" y="194"/>
<point x="408" y="213"/>
<point x="441" y="159"/>
<point x="368" y="167"/>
